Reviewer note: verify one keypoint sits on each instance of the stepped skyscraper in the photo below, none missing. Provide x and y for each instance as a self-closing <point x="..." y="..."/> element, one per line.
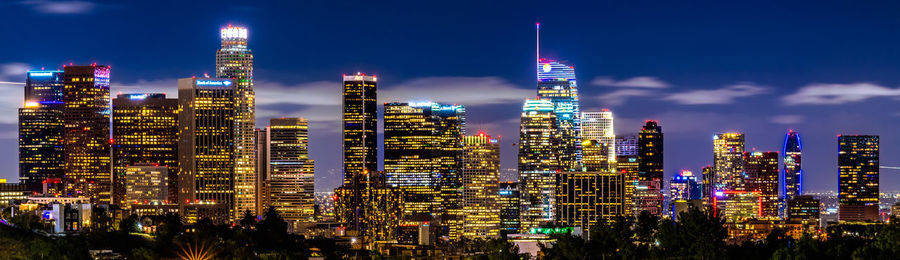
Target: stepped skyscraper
<point x="235" y="61"/>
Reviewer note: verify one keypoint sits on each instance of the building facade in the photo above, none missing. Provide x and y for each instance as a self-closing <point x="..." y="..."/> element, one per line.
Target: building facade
<point x="858" y="162"/>
<point x="146" y="183"/>
<point x="481" y="187"/>
<point x="206" y="142"/>
<point x="423" y="158"/>
<point x="538" y="163"/>
<point x="761" y="169"/>
<point x="359" y="146"/>
<point x="145" y="131"/>
<point x="86" y="115"/>
<point x="728" y="161"/>
<point x="41" y="145"/>
<point x="290" y="185"/>
<point x="627" y="163"/>
<point x="599" y="126"/>
<point x="234" y="61"/>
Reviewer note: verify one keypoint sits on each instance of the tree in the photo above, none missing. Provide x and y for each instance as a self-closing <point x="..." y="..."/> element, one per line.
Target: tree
<point x="696" y="234"/>
<point x="129" y="224"/>
<point x="248" y="220"/>
<point x="501" y="249"/>
<point x="646" y="227"/>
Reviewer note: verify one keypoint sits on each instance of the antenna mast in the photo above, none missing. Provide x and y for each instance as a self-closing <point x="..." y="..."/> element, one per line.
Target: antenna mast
<point x="537" y="48"/>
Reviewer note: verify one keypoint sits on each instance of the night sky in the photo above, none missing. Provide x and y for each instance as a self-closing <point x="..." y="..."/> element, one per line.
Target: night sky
<point x="699" y="68"/>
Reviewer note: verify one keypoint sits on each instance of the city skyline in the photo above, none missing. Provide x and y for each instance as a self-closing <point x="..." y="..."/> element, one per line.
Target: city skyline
<point x="314" y="88"/>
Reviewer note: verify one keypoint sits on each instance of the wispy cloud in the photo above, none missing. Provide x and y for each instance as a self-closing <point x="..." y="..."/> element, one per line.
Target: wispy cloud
<point x="834" y="94"/>
<point x="12" y="77"/>
<point x="312" y="93"/>
<point x="725" y="95"/>
<point x="460" y="90"/>
<point x="787" y="119"/>
<point x="635" y="82"/>
<point x="13" y="72"/>
<point x="621" y="96"/>
<point x="60" y="7"/>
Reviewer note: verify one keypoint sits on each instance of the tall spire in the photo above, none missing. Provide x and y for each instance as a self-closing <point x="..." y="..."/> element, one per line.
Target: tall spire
<point x="537" y="46"/>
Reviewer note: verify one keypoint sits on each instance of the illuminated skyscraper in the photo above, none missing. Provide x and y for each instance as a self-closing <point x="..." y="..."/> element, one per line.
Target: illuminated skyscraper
<point x="481" y="187"/>
<point x="627" y="164"/>
<point x="86" y="115"/>
<point x="728" y="161"/>
<point x="423" y="158"/>
<point x="858" y="162"/>
<point x="235" y="61"/>
<point x="290" y="182"/>
<point x="538" y="162"/>
<point x="761" y="169"/>
<point x="599" y="126"/>
<point x="556" y="83"/>
<point x="360" y="147"/>
<point x="509" y="207"/>
<point x="793" y="172"/>
<point x="648" y="191"/>
<point x="206" y="142"/>
<point x="41" y="147"/>
<point x="145" y="131"/>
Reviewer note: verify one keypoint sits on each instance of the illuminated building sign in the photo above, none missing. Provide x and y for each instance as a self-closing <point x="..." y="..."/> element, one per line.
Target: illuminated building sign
<point x="549" y="231"/>
<point x="219" y="83"/>
<point x="40" y="74"/>
<point x="137" y="96"/>
<point x="234" y="32"/>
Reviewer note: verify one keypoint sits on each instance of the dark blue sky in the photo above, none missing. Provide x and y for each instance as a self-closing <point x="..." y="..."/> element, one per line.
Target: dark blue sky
<point x="820" y="68"/>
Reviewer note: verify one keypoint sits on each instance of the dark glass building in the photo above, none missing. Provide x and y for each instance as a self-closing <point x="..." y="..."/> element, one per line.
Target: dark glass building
<point x="41" y="145"/>
<point x="360" y="148"/>
<point x="86" y="115"/>
<point x="648" y="191"/>
<point x="145" y="131"/>
<point x="858" y="178"/>
<point x="509" y="207"/>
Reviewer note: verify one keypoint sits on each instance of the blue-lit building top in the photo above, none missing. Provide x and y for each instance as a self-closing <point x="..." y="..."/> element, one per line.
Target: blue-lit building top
<point x="792" y="171"/>
<point x="44" y="87"/>
<point x="685" y="186"/>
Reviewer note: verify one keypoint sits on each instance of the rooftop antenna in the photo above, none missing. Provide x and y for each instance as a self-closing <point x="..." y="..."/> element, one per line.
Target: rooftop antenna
<point x="537" y="48"/>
